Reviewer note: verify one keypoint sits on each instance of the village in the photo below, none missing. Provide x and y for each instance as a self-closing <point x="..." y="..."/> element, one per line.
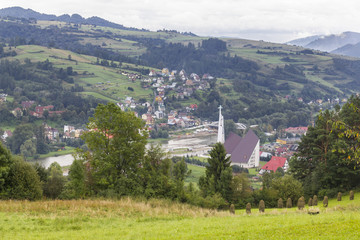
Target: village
<point x="180" y="123"/>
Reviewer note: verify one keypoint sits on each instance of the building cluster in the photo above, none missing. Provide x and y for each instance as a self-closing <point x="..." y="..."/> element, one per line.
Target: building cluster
<point x="38" y="110"/>
<point x="3" y="97"/>
<point x="72" y="132"/>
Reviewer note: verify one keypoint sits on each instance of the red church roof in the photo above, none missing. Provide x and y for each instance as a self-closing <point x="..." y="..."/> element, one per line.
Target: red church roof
<point x="274" y="163"/>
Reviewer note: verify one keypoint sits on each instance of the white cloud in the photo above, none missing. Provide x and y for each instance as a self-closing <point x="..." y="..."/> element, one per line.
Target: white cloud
<point x="272" y="20"/>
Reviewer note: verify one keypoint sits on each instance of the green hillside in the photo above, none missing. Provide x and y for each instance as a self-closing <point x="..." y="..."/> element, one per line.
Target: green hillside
<point x="257" y="82"/>
<point x="158" y="219"/>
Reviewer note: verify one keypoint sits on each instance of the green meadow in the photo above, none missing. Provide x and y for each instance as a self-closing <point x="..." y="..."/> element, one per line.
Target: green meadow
<point x="161" y="219"/>
<point x="98" y="81"/>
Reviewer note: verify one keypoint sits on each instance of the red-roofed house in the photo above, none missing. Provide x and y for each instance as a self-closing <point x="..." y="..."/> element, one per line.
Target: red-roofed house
<point x="274" y="164"/>
<point x="244" y="151"/>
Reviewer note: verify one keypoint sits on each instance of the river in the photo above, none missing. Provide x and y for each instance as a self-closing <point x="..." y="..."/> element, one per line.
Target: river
<point x="193" y="146"/>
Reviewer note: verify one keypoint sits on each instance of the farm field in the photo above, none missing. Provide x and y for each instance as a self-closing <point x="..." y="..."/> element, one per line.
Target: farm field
<point x="161" y="219"/>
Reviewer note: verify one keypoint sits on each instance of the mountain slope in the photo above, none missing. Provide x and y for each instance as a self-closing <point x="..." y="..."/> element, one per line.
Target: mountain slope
<point x="302" y="42"/>
<point x="349" y="50"/>
<point x="332" y="42"/>
<point x="19" y="12"/>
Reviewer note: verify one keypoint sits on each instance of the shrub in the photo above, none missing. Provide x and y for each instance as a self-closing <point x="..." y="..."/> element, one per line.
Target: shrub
<point x="325" y="202"/>
<point x="232" y="209"/>
<point x="315" y="200"/>
<point x="23" y="182"/>
<point x="280" y="203"/>
<point x="339" y="196"/>
<point x="310" y="202"/>
<point x="289" y="203"/>
<point x="248" y="208"/>
<point x="261" y="206"/>
<point x="301" y="203"/>
<point x="351" y="195"/>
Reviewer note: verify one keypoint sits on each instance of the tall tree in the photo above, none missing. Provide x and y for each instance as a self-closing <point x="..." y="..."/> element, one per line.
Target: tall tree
<point x="116" y="142"/>
<point x="5" y="162"/>
<point x="55" y="182"/>
<point x="218" y="174"/>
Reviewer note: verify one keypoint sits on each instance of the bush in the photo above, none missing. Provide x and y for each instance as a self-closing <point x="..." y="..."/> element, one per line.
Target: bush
<point x="325" y="201"/>
<point x="301" y="203"/>
<point x="310" y="202"/>
<point x="248" y="208"/>
<point x="23" y="182"/>
<point x="351" y="195"/>
<point x="262" y="206"/>
<point x="232" y="209"/>
<point x="280" y="203"/>
<point x="289" y="203"/>
<point x="339" y="196"/>
<point x="315" y="200"/>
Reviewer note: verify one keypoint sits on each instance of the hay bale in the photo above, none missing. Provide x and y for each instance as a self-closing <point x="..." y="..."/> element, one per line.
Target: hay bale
<point x="310" y="202"/>
<point x="339" y="196"/>
<point x="280" y="203"/>
<point x="232" y="209"/>
<point x="325" y="201"/>
<point x="313" y="211"/>
<point x="261" y="206"/>
<point x="301" y="203"/>
<point x="289" y="203"/>
<point x="352" y="195"/>
<point x="315" y="200"/>
<point x="248" y="208"/>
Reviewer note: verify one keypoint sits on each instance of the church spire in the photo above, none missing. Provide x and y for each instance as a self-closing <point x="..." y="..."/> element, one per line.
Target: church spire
<point x="221" y="130"/>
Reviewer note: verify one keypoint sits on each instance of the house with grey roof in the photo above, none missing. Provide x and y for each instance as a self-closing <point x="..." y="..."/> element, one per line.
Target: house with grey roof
<point x="244" y="152"/>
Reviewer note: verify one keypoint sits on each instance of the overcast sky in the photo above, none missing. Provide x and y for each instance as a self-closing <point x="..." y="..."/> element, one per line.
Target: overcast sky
<point x="269" y="20"/>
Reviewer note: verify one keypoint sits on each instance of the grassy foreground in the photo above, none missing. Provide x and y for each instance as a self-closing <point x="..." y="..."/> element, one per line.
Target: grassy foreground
<point x="157" y="219"/>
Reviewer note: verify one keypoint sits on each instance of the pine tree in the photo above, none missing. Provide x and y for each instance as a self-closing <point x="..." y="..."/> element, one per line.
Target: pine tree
<point x="218" y="175"/>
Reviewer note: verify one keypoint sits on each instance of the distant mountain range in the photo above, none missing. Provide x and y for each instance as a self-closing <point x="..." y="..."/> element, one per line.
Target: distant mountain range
<point x="19" y="12"/>
<point x="346" y="43"/>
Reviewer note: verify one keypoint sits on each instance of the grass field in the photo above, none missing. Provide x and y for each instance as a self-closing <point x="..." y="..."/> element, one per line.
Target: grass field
<point x="196" y="173"/>
<point x="160" y="219"/>
<point x="115" y="85"/>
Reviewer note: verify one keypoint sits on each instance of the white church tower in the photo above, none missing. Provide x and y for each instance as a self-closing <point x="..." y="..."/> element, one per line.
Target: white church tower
<point x="221" y="130"/>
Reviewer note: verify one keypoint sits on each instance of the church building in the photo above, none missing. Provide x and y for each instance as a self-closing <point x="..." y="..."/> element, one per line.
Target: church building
<point x="245" y="152"/>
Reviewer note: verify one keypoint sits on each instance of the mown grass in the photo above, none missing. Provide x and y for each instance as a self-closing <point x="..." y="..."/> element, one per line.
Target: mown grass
<point x="196" y="173"/>
<point x="160" y="219"/>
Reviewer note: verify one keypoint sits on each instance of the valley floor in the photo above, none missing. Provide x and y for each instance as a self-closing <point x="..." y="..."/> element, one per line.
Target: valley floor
<point x="157" y="219"/>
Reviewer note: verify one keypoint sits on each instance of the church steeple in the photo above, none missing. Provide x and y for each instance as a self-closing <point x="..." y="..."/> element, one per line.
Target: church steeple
<point x="221" y="130"/>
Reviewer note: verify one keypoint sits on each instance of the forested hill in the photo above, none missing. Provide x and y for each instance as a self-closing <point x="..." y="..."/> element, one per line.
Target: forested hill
<point x="255" y="81"/>
<point x="19" y="12"/>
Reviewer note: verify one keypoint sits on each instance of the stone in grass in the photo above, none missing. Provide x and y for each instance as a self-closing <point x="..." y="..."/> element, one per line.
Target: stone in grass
<point x="310" y="202"/>
<point x="248" y="208"/>
<point x="339" y="196"/>
<point x="280" y="203"/>
<point x="301" y="203"/>
<point x="325" y="202"/>
<point x="313" y="210"/>
<point x="261" y="206"/>
<point x="232" y="209"/>
<point x="315" y="200"/>
<point x="289" y="203"/>
<point x="351" y="195"/>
